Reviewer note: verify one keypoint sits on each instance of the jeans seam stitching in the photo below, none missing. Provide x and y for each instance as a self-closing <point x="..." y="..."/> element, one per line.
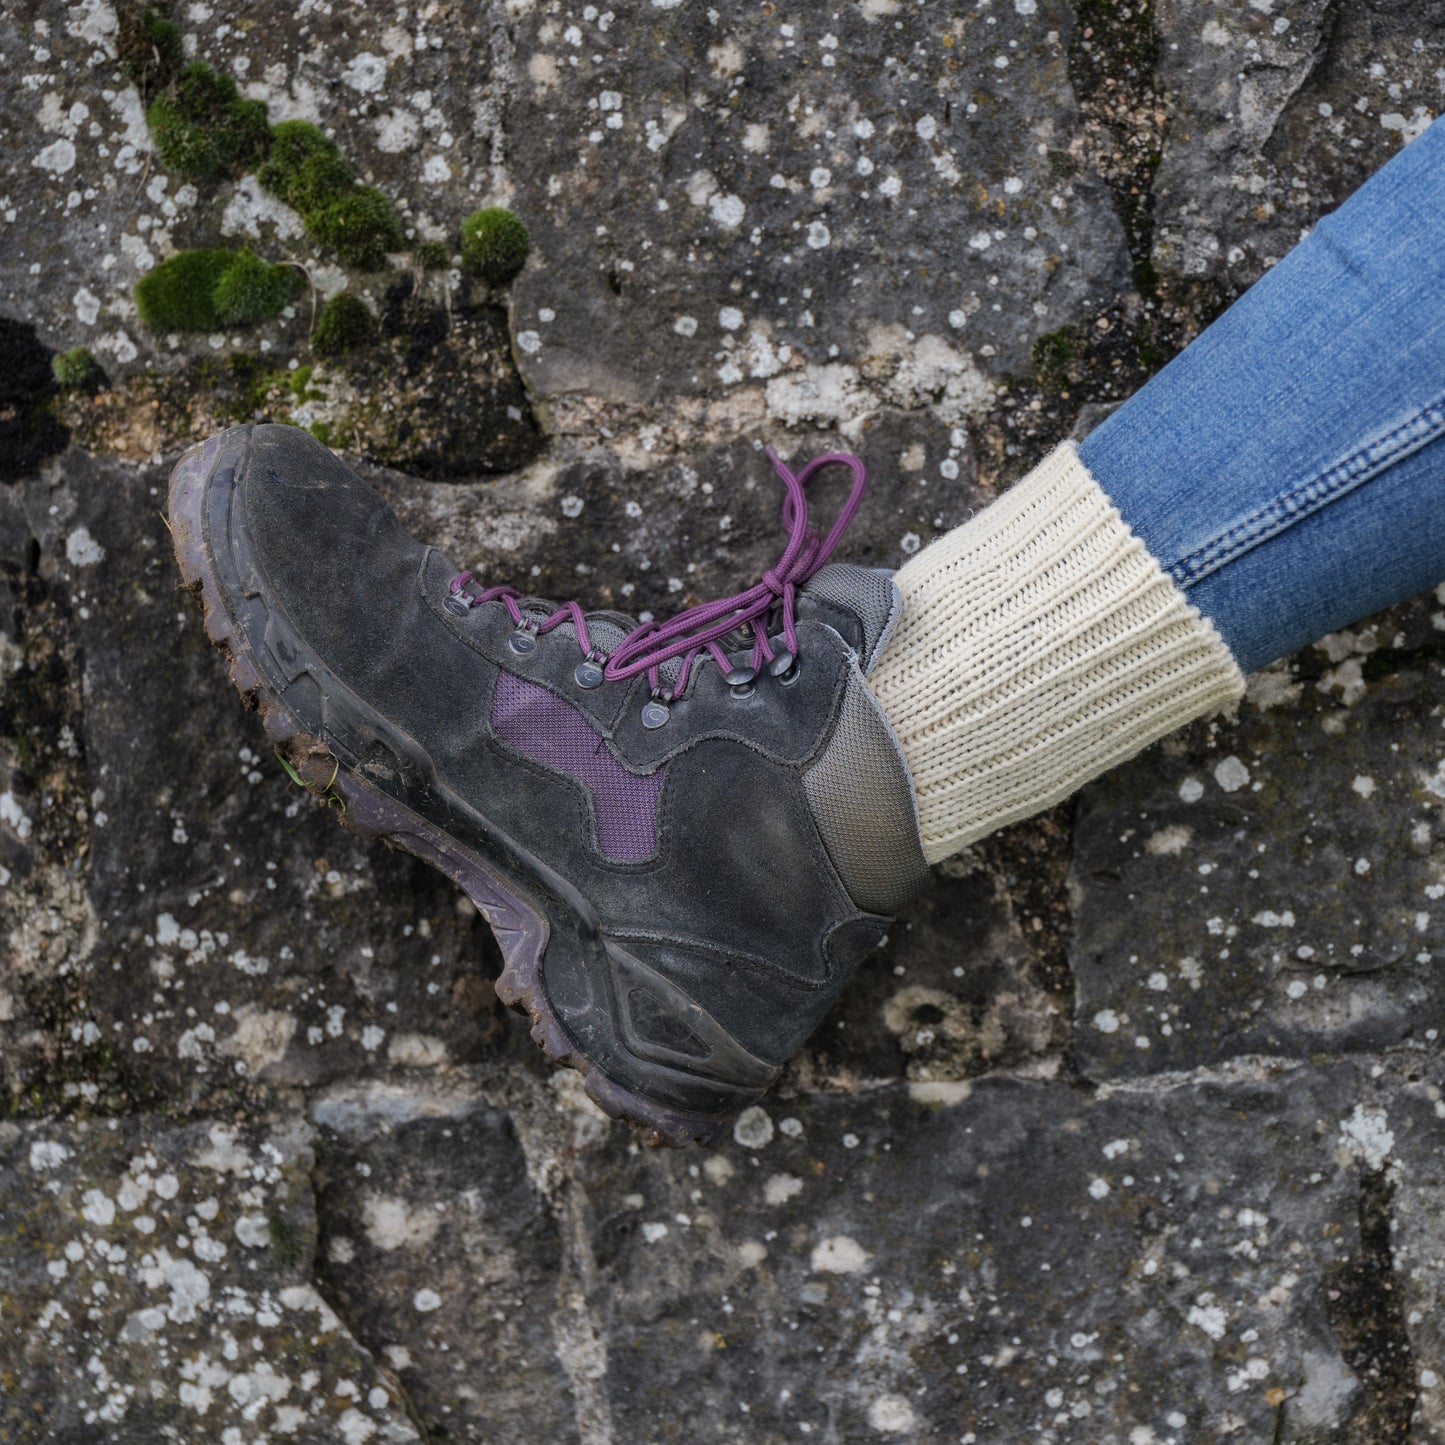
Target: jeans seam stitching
<point x="1292" y="506"/>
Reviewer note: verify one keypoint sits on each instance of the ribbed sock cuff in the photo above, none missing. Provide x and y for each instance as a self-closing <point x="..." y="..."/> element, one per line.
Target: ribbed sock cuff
<point x="1040" y="645"/>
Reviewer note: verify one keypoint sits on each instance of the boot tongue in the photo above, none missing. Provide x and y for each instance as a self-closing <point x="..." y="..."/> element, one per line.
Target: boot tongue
<point x="606" y="628"/>
<point x="861" y="604"/>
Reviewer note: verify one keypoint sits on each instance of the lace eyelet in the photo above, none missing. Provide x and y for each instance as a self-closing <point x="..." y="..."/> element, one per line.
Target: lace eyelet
<point x="523" y="641"/>
<point x="459" y="603"/>
<point x="784" y="667"/>
<point x="740" y="682"/>
<point x="655" y="712"/>
<point x="589" y="673"/>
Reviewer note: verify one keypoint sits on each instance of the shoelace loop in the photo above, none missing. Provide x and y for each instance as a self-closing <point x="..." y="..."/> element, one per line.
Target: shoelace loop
<point x="700" y="628"/>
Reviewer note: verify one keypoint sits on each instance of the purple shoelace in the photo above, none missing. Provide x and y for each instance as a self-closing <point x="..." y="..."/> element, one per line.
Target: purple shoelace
<point x="700" y="629"/>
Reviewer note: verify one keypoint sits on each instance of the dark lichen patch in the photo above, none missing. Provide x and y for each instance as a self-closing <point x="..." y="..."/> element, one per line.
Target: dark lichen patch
<point x="290" y="1243"/>
<point x="78" y="370"/>
<point x="202" y="128"/>
<point x="149" y="46"/>
<point x="29" y="431"/>
<point x="244" y="387"/>
<point x="1054" y="356"/>
<point x="345" y="324"/>
<point x="440" y="394"/>
<point x="494" y="244"/>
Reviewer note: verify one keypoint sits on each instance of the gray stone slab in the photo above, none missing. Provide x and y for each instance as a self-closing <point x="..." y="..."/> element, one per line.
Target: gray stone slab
<point x="1406" y="1125"/>
<point x="443" y="1257"/>
<point x="235" y="938"/>
<point x="1271" y="885"/>
<point x="1029" y="1263"/>
<point x="156" y="1285"/>
<point x="821" y="204"/>
<point x="1277" y="113"/>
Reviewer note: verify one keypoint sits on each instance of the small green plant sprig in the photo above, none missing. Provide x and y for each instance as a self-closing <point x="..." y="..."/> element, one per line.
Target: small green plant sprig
<point x="78" y="370"/>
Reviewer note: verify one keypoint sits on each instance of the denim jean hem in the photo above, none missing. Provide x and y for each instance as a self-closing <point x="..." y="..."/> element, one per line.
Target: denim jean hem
<point x="1300" y="501"/>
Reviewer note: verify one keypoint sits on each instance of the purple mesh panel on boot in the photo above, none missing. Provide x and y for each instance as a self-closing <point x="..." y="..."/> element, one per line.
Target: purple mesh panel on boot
<point x="542" y="726"/>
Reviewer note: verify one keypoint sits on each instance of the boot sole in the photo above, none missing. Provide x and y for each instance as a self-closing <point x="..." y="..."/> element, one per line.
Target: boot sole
<point x="518" y="922"/>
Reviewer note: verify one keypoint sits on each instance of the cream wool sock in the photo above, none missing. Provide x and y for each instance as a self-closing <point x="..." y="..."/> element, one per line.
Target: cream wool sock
<point x="1040" y="644"/>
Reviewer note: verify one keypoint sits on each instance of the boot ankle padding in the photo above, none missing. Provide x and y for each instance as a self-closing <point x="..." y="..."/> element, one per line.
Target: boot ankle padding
<point x="862" y="801"/>
<point x="1040" y="645"/>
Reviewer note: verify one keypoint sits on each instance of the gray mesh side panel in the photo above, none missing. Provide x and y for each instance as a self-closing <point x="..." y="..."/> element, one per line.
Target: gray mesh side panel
<point x="869" y="594"/>
<point x="862" y="801"/>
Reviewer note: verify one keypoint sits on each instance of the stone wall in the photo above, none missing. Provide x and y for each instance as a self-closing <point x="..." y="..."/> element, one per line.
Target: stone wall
<point x="1130" y="1133"/>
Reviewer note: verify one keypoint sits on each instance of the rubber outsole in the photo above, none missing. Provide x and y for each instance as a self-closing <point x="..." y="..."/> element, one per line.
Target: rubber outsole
<point x="519" y="925"/>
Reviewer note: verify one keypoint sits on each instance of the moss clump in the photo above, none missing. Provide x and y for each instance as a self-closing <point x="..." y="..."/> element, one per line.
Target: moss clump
<point x="361" y="226"/>
<point x="149" y="48"/>
<point x="304" y="168"/>
<point x="202" y="127"/>
<point x="179" y="294"/>
<point x="249" y="290"/>
<point x="432" y="256"/>
<point x="494" y="244"/>
<point x="208" y="290"/>
<point x="344" y="324"/>
<point x="78" y="370"/>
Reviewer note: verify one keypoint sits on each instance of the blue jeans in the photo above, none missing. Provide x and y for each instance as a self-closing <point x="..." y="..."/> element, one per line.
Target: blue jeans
<point x="1288" y="468"/>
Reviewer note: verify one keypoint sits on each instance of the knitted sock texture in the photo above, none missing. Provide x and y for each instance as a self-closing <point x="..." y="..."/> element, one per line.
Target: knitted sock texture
<point x="1040" y="644"/>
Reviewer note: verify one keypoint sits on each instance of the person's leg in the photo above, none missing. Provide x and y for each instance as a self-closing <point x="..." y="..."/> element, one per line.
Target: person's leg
<point x="1288" y="468"/>
<point x="1281" y="478"/>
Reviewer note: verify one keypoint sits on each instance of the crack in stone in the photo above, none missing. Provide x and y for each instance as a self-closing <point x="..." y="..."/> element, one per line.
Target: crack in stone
<point x="1366" y="1311"/>
<point x="333" y="1303"/>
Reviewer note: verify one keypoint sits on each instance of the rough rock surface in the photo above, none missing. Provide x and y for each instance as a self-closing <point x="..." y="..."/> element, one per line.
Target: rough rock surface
<point x="1130" y="1132"/>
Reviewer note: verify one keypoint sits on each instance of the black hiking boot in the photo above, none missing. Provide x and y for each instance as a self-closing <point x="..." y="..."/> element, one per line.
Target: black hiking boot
<point x="685" y="836"/>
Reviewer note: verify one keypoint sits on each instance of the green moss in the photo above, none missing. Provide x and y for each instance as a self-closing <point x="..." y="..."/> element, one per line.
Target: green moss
<point x="289" y="1242"/>
<point x="209" y="290"/>
<point x="306" y="171"/>
<point x="304" y="168"/>
<point x="494" y="244"/>
<point x="300" y="381"/>
<point x="432" y="255"/>
<point x="78" y="370"/>
<point x="179" y="294"/>
<point x="361" y="226"/>
<point x="202" y="127"/>
<point x="344" y="324"/>
<point x="249" y="290"/>
<point x="149" y="48"/>
<point x="1054" y="355"/>
<point x="321" y="430"/>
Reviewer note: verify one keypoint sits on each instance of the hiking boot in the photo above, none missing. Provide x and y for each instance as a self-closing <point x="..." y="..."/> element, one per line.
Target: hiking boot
<point x="684" y="835"/>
